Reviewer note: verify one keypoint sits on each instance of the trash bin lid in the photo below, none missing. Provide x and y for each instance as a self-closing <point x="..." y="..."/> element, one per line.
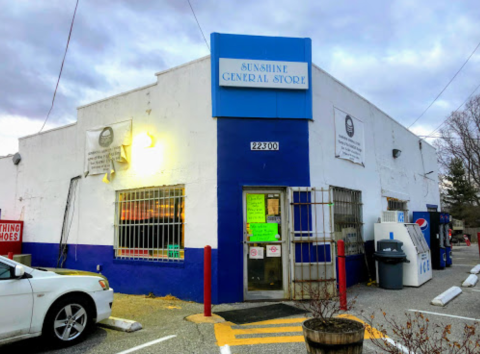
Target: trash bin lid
<point x="389" y="245"/>
<point x="390" y="254"/>
<point x="390" y="249"/>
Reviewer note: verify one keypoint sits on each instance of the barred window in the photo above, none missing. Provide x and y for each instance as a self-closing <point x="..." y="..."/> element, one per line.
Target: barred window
<point x="149" y="224"/>
<point x="400" y="205"/>
<point x="348" y="219"/>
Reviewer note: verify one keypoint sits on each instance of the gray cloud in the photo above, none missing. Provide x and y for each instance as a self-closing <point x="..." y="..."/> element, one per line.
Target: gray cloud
<point x="398" y="54"/>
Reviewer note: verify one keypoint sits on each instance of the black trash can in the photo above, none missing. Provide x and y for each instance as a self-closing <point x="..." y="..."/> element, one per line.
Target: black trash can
<point x="390" y="259"/>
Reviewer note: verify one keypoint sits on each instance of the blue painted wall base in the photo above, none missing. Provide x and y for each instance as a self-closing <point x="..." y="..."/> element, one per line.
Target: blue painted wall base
<point x="182" y="279"/>
<point x="355" y="266"/>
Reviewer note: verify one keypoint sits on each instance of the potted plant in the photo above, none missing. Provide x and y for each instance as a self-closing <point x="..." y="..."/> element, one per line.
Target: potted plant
<point x="324" y="332"/>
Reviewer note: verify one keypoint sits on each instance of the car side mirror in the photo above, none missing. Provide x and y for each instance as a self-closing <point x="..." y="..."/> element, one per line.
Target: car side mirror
<point x="19" y="271"/>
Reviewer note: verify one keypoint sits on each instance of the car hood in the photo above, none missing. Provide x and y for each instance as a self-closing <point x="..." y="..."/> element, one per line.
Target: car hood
<point x="72" y="272"/>
<point x="63" y="271"/>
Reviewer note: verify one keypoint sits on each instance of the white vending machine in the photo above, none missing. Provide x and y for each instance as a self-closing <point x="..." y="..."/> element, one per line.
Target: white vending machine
<point x="419" y="270"/>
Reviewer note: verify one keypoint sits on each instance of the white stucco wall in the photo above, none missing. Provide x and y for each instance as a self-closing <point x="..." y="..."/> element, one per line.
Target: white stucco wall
<point x="176" y="111"/>
<point x="49" y="161"/>
<point x="8" y="183"/>
<point x="383" y="176"/>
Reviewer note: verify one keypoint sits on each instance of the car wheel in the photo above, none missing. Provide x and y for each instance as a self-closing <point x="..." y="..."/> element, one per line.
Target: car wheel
<point x="68" y="320"/>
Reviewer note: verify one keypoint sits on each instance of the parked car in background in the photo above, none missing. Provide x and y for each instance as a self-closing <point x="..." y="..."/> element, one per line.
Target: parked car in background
<point x="61" y="307"/>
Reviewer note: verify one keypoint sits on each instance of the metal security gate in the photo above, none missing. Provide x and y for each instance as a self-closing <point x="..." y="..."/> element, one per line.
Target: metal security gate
<point x="312" y="245"/>
<point x="348" y="219"/>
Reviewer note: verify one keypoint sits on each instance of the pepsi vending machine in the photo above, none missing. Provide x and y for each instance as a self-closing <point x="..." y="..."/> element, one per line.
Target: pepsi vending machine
<point x="445" y="222"/>
<point x="429" y="222"/>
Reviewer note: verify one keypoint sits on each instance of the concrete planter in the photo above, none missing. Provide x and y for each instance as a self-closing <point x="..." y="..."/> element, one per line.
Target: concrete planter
<point x="324" y="342"/>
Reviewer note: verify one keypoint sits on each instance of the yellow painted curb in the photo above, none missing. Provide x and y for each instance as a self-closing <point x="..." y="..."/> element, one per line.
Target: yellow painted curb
<point x="200" y="318"/>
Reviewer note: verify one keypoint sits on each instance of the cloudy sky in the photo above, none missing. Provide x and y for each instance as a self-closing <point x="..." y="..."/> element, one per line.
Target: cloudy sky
<point x="397" y="54"/>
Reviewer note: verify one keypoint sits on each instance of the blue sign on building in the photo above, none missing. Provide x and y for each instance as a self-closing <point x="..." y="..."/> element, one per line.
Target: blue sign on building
<point x="269" y="78"/>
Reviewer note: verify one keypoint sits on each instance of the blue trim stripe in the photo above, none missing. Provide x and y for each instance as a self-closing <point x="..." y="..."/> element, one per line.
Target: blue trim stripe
<point x="183" y="280"/>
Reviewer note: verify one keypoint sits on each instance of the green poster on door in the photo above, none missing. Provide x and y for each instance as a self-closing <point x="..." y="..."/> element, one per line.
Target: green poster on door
<point x="264" y="232"/>
<point x="255" y="208"/>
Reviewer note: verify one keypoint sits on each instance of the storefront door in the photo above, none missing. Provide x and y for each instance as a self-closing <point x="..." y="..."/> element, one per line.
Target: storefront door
<point x="265" y="244"/>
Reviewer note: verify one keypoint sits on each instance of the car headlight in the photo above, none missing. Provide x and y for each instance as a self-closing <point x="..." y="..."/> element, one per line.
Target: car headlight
<point x="104" y="284"/>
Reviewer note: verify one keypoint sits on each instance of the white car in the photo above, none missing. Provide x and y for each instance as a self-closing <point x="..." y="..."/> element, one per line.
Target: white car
<point x="61" y="307"/>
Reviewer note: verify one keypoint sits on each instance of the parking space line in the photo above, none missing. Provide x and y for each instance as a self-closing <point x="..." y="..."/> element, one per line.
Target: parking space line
<point x="445" y="315"/>
<point x="227" y="332"/>
<point x="474" y="290"/>
<point x="147" y="344"/>
<point x="268" y="330"/>
<point x="279" y="321"/>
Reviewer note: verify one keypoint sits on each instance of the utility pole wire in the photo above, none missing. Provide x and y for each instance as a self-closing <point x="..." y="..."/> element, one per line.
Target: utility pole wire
<point x="198" y="23"/>
<point x="433" y="132"/>
<point x="454" y="76"/>
<point x="61" y="67"/>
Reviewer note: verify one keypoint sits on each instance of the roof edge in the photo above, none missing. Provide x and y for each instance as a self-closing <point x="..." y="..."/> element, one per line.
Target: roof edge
<point x="182" y="65"/>
<point x="48" y="131"/>
<point x="117" y="95"/>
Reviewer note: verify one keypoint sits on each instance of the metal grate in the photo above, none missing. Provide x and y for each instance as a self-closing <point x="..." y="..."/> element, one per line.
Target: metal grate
<point x="400" y="205"/>
<point x="149" y="224"/>
<point x="348" y="219"/>
<point x="313" y="250"/>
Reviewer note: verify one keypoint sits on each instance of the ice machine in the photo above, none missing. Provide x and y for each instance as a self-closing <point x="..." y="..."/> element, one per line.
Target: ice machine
<point x="419" y="269"/>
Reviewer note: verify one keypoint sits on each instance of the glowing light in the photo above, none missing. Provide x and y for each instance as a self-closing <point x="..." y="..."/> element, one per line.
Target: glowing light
<point x="147" y="162"/>
<point x="142" y="141"/>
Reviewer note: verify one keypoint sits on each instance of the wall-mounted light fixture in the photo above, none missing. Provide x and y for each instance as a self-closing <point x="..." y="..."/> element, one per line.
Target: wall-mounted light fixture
<point x="396" y="153"/>
<point x="16" y="158"/>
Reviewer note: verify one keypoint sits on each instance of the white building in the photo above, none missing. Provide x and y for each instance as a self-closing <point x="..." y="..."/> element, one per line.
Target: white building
<point x="214" y="156"/>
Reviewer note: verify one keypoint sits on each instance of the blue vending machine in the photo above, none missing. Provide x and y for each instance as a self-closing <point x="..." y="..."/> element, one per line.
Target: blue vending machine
<point x="429" y="222"/>
<point x="445" y="222"/>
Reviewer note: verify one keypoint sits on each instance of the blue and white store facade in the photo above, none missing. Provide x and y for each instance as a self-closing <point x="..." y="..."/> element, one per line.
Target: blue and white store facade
<point x="254" y="151"/>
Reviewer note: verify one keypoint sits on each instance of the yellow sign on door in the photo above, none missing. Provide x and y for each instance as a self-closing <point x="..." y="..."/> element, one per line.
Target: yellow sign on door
<point x="255" y="208"/>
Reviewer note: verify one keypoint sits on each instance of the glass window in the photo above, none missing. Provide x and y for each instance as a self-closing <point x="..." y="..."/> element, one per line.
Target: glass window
<point x="5" y="271"/>
<point x="150" y="224"/>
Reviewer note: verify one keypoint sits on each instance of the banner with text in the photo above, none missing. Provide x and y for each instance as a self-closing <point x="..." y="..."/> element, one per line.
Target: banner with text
<point x="107" y="145"/>
<point x="349" y="138"/>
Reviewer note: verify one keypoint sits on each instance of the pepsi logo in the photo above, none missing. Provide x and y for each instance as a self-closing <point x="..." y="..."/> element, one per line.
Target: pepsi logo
<point x="423" y="223"/>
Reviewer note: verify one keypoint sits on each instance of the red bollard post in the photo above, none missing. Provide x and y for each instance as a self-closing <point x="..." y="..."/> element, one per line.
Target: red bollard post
<point x="478" y="241"/>
<point x="207" y="282"/>
<point x="10" y="255"/>
<point x="342" y="275"/>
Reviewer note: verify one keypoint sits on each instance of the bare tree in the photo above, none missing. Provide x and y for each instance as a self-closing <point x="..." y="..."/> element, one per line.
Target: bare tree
<point x="460" y="138"/>
<point x="416" y="335"/>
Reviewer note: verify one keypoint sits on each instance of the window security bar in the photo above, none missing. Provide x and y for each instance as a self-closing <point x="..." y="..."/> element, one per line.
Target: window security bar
<point x="150" y="224"/>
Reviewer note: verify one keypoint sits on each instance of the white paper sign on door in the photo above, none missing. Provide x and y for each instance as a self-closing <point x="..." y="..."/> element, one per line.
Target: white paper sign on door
<point x="256" y="252"/>
<point x="274" y="251"/>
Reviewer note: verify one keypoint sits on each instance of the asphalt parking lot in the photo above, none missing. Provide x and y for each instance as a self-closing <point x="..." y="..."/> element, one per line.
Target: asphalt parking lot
<point x="164" y="318"/>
